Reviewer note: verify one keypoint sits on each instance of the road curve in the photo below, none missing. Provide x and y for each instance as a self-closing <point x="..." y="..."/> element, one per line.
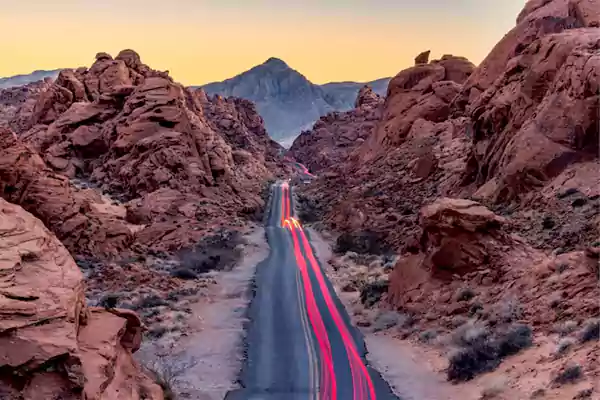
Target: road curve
<point x="300" y="341"/>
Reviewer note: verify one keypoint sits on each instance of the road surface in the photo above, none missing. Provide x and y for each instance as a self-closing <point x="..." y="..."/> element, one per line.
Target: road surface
<point x="300" y="342"/>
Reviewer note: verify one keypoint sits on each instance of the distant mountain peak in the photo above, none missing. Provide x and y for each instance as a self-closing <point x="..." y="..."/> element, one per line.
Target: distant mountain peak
<point x="276" y="62"/>
<point x="288" y="102"/>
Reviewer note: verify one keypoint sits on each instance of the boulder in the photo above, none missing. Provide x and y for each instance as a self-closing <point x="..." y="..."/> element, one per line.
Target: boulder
<point x="367" y="98"/>
<point x="53" y="346"/>
<point x="423" y="58"/>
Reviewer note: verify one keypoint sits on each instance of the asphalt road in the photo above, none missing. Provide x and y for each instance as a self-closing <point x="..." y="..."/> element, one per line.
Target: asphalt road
<point x="300" y="341"/>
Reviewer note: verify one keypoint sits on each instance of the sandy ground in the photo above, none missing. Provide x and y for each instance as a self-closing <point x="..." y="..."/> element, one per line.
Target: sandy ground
<point x="417" y="372"/>
<point x="204" y="364"/>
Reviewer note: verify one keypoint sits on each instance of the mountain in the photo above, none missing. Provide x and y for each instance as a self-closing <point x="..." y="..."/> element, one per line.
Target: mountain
<point x="286" y="99"/>
<point x="19" y="80"/>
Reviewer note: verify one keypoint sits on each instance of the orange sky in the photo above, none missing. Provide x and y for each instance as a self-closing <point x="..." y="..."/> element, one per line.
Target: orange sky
<point x="201" y="41"/>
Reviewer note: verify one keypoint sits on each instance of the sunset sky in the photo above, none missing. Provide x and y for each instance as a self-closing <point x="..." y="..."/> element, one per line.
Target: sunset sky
<point x="201" y="41"/>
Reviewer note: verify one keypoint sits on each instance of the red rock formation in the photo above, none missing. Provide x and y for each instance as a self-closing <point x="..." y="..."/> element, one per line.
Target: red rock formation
<point x="53" y="345"/>
<point x="461" y="237"/>
<point x="138" y="135"/>
<point x="16" y="103"/>
<point x="423" y="58"/>
<point x="539" y="116"/>
<point x="80" y="219"/>
<point x="538" y="18"/>
<point x="424" y="91"/>
<point x="335" y="135"/>
<point x="518" y="142"/>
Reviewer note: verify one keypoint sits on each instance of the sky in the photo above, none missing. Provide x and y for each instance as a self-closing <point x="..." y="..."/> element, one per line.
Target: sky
<point x="201" y="41"/>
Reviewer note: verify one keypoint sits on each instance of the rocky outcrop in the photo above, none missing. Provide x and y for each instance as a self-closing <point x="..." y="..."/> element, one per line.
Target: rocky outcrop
<point x="16" y="103"/>
<point x="137" y="135"/>
<point x="538" y="18"/>
<point x="423" y="58"/>
<point x="335" y="135"/>
<point x="367" y="98"/>
<point x="466" y="265"/>
<point x="511" y="133"/>
<point x="539" y="117"/>
<point x="79" y="218"/>
<point x="409" y="154"/>
<point x="452" y="232"/>
<point x="53" y="345"/>
<point x="424" y="91"/>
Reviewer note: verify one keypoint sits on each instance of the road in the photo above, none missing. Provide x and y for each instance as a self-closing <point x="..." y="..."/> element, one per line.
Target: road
<point x="300" y="341"/>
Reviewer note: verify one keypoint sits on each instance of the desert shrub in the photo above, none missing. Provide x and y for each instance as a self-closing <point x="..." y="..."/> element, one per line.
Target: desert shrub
<point x="563" y="346"/>
<point x="569" y="374"/>
<point x="371" y="293"/>
<point x="464" y="294"/>
<point x="363" y="242"/>
<point x="510" y="310"/>
<point x="109" y="300"/>
<point x="475" y="308"/>
<point x="516" y="338"/>
<point x="494" y="390"/>
<point x="157" y="332"/>
<point x="590" y="331"/>
<point x="150" y="301"/>
<point x="150" y="313"/>
<point x="88" y="265"/>
<point x="470" y="333"/>
<point x="428" y="336"/>
<point x="175" y="295"/>
<point x="216" y="252"/>
<point x="565" y="328"/>
<point x="184" y="273"/>
<point x="584" y="394"/>
<point x="482" y="350"/>
<point x="468" y="362"/>
<point x="166" y="371"/>
<point x="538" y="394"/>
<point x="308" y="209"/>
<point x="389" y="319"/>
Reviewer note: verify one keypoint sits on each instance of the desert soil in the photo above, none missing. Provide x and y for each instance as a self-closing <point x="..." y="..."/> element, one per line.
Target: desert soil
<point x="205" y="362"/>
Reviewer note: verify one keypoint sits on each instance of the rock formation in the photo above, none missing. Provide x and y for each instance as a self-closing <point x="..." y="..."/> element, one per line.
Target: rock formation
<point x="511" y="132"/>
<point x="463" y="238"/>
<point x="519" y="133"/>
<point x="146" y="140"/>
<point x="53" y="344"/>
<point x="16" y="103"/>
<point x="423" y="58"/>
<point x="79" y="218"/>
<point x="335" y="135"/>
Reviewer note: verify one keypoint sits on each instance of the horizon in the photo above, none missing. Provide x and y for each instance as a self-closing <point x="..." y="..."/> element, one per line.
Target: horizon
<point x="247" y="35"/>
